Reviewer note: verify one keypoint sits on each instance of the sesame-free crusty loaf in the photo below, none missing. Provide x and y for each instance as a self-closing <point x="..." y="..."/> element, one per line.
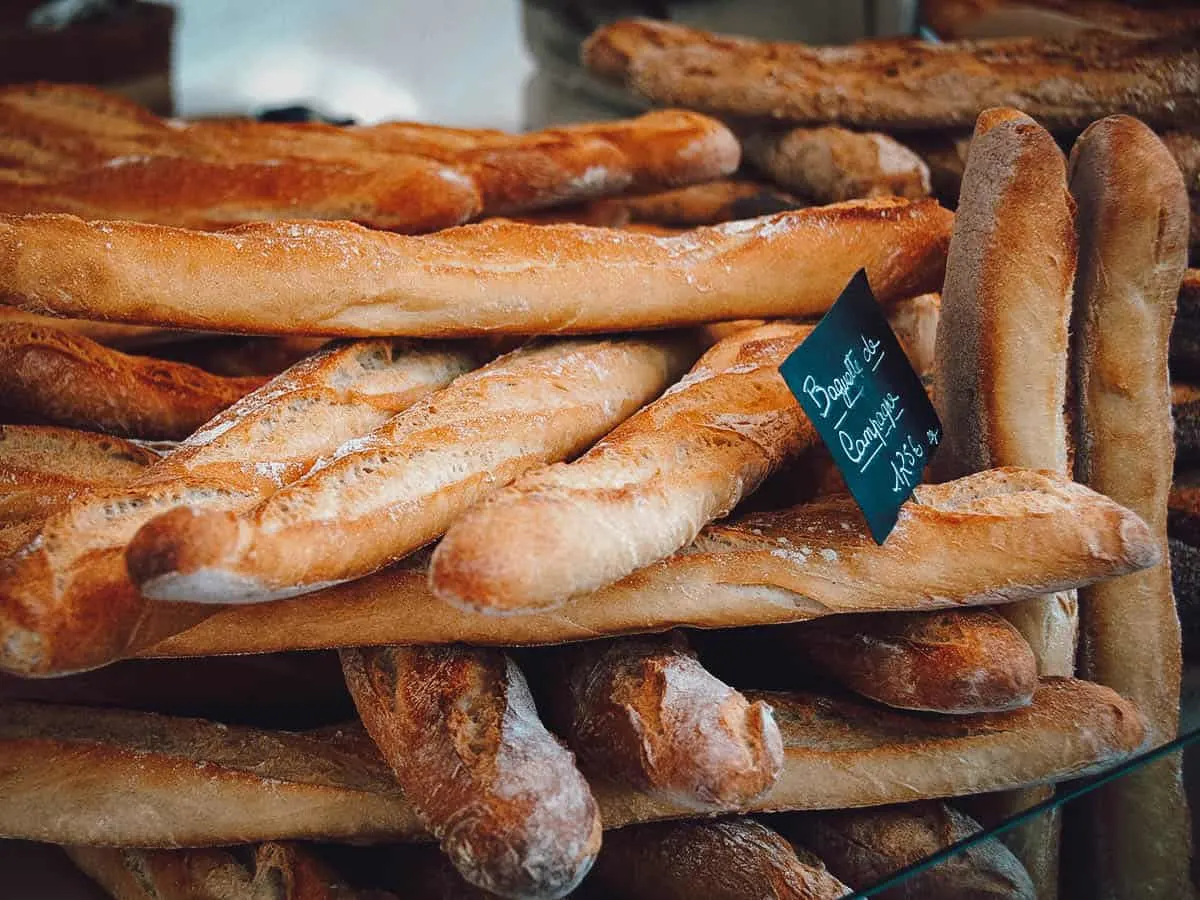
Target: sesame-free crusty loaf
<point x="337" y="278"/>
<point x="72" y="775"/>
<point x="73" y="149"/>
<point x="1063" y="82"/>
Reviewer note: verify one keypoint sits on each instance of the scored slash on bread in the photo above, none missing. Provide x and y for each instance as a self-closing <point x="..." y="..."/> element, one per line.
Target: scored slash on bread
<point x="641" y="493"/>
<point x="994" y="537"/>
<point x="336" y="278"/>
<point x="212" y="784"/>
<point x="66" y="602"/>
<point x="392" y="490"/>
<point x="1063" y="82"/>
<point x="74" y="149"/>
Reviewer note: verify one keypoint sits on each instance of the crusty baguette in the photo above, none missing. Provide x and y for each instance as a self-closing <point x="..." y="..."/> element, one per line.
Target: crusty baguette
<point x="830" y="164"/>
<point x="725" y="859"/>
<point x="42" y="467"/>
<point x="211" y="785"/>
<point x="706" y="204"/>
<point x="646" y="712"/>
<point x="66" y="602"/>
<point x="952" y="661"/>
<point x="338" y="278"/>
<point x="71" y="148"/>
<point x="862" y="847"/>
<point x="51" y="377"/>
<point x="1000" y="367"/>
<point x="1014" y="534"/>
<point x="952" y="19"/>
<point x="1133" y="220"/>
<point x="1063" y="82"/>
<point x="239" y="355"/>
<point x="1185" y="334"/>
<point x="387" y="493"/>
<point x="639" y="495"/>
<point x="110" y="334"/>
<point x="459" y="728"/>
<point x="278" y="871"/>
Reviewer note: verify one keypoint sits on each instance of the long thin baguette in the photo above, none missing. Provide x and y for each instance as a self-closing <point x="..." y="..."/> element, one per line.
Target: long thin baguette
<point x="459" y="728"/>
<point x="211" y="785"/>
<point x="704" y="204"/>
<point x="831" y="164"/>
<point x="51" y="377"/>
<point x="639" y="495"/>
<point x="338" y="278"/>
<point x="110" y="334"/>
<point x="990" y="538"/>
<point x="646" y="712"/>
<point x="864" y="846"/>
<point x="1064" y="82"/>
<point x="66" y="602"/>
<point x="387" y="493"/>
<point x="71" y="148"/>
<point x="1133" y="241"/>
<point x="726" y="859"/>
<point x="953" y="661"/>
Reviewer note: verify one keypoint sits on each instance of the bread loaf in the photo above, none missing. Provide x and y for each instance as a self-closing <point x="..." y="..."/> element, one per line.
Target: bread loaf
<point x="213" y="785"/>
<point x="336" y="278"/>
<point x="953" y="661"/>
<point x="66" y="602"/>
<point x="830" y="164"/>
<point x="1013" y="534"/>
<point x="1064" y="82"/>
<point x="915" y="322"/>
<point x="385" y="494"/>
<point x="123" y="337"/>
<point x="459" y="728"/>
<point x="706" y="204"/>
<point x="646" y="712"/>
<point x="951" y="19"/>
<point x="724" y="859"/>
<point x="50" y="377"/>
<point x="1133" y="220"/>
<point x="863" y="847"/>
<point x="639" y="495"/>
<point x="71" y="148"/>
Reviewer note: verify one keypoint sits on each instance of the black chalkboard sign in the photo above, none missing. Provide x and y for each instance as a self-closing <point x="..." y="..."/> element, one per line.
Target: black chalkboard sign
<point x="858" y="388"/>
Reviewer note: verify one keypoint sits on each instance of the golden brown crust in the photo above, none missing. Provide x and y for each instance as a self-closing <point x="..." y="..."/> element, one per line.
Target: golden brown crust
<point x="1063" y="82"/>
<point x="110" y="334"/>
<point x="1133" y="219"/>
<point x="641" y="493"/>
<point x="458" y="727"/>
<point x="706" y="204"/>
<point x="990" y="538"/>
<point x="645" y="711"/>
<point x="862" y="847"/>
<point x="831" y="164"/>
<point x="70" y="148"/>
<point x="212" y="785"/>
<point x="951" y="19"/>
<point x="725" y="859"/>
<point x="954" y="661"/>
<point x="338" y="278"/>
<point x="390" y="491"/>
<point x="51" y="377"/>
<point x="66" y="601"/>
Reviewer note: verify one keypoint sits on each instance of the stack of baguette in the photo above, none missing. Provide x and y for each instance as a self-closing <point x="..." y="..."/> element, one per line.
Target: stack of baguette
<point x="479" y="443"/>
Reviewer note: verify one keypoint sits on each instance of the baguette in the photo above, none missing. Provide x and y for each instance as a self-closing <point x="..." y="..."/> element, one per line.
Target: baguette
<point x="66" y="602"/>
<point x="337" y="278"/>
<point x="122" y="337"/>
<point x="1014" y="534"/>
<point x="830" y="164"/>
<point x="954" y="19"/>
<point x="1000" y="368"/>
<point x="389" y="492"/>
<point x="863" y="847"/>
<point x="639" y="495"/>
<point x="646" y="712"/>
<point x="706" y="204"/>
<point x="1133" y="239"/>
<point x="1185" y="335"/>
<point x="42" y="468"/>
<point x="915" y="322"/>
<point x="74" y="149"/>
<point x="726" y="859"/>
<point x="954" y="661"/>
<point x="1063" y="82"/>
<point x="458" y="727"/>
<point x="213" y="784"/>
<point x="242" y="356"/>
<point x="51" y="377"/>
